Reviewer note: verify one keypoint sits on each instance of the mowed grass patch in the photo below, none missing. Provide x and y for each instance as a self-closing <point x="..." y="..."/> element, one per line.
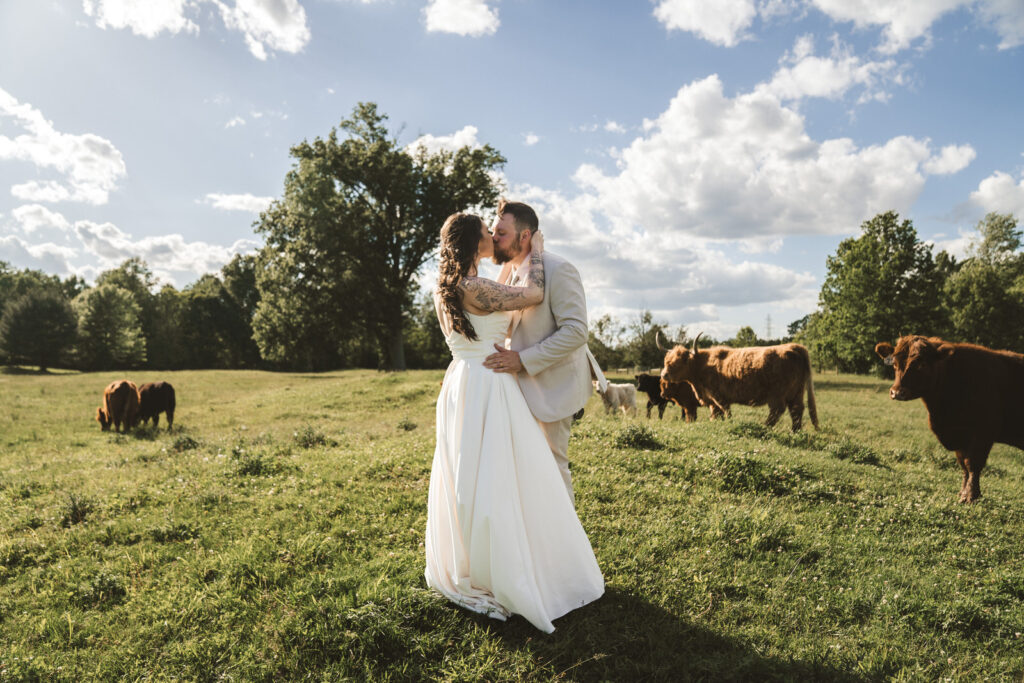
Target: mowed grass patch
<point x="277" y="533"/>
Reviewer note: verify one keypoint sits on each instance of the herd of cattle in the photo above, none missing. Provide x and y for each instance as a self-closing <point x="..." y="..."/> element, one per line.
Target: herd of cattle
<point x="126" y="405"/>
<point x="974" y="395"/>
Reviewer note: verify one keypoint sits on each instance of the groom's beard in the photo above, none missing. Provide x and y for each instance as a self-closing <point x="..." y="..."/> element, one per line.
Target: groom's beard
<point x="502" y="256"/>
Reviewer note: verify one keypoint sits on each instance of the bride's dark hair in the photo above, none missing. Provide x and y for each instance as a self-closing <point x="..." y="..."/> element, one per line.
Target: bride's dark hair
<point x="460" y="240"/>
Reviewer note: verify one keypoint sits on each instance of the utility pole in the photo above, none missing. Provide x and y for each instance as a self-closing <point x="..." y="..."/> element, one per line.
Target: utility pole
<point x="768" y="327"/>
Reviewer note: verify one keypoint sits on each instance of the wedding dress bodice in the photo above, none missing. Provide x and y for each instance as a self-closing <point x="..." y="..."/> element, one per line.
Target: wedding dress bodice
<point x="490" y="330"/>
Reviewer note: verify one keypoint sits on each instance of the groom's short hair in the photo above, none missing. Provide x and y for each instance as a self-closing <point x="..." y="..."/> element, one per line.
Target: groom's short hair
<point x="524" y="216"/>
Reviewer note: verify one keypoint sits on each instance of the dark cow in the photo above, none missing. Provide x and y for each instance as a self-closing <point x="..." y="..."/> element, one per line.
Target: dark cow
<point x="651" y="385"/>
<point x="156" y="398"/>
<point x="685" y="396"/>
<point x="974" y="397"/>
<point x="120" y="406"/>
<point x="776" y="375"/>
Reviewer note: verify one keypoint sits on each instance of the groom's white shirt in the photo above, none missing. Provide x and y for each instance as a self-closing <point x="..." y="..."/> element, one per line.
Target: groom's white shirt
<point x="551" y="339"/>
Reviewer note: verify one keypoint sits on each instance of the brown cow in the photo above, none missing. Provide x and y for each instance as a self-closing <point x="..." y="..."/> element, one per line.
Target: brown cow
<point x="685" y="396"/>
<point x="776" y="375"/>
<point x="156" y="398"/>
<point x="974" y="397"/>
<point x="120" y="406"/>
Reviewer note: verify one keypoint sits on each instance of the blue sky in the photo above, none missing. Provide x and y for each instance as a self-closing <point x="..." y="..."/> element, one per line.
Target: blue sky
<point x="697" y="159"/>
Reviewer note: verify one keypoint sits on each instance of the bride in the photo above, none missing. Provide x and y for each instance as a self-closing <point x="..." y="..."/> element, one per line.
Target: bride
<point x="502" y="533"/>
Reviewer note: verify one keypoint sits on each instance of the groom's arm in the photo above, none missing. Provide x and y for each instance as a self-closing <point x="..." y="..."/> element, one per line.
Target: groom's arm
<point x="569" y="308"/>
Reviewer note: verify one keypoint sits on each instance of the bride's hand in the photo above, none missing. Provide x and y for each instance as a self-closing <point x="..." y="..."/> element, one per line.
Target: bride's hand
<point x="537" y="242"/>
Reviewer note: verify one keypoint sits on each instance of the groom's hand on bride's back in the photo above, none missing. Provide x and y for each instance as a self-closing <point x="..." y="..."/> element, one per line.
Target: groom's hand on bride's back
<point x="504" y="360"/>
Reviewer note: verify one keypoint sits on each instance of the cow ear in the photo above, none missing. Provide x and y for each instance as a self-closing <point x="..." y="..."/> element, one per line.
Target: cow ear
<point x="945" y="350"/>
<point x="884" y="351"/>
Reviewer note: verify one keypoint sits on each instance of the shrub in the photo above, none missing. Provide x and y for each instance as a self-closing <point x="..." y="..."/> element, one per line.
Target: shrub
<point x="76" y="509"/>
<point x="637" y="436"/>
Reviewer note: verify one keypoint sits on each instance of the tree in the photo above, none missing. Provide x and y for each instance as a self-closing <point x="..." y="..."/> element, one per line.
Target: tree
<point x="604" y="340"/>
<point x="359" y="217"/>
<point x="135" y="277"/>
<point x="109" y="333"/>
<point x="745" y="337"/>
<point x="426" y="345"/>
<point x="214" y="329"/>
<point x="879" y="285"/>
<point x="38" y="328"/>
<point x="986" y="301"/>
<point x="641" y="349"/>
<point x="166" y="348"/>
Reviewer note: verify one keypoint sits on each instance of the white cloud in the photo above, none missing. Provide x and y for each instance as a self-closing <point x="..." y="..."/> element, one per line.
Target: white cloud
<point x="274" y="24"/>
<point x="802" y="74"/>
<point x="728" y="22"/>
<point x="724" y="22"/>
<point x="463" y="17"/>
<point x="48" y="257"/>
<point x="614" y="127"/>
<point x="530" y="139"/>
<point x="465" y="137"/>
<point x="952" y="158"/>
<point x="741" y="167"/>
<point x="236" y="121"/>
<point x="959" y="247"/>
<point x="37" y="218"/>
<point x="146" y="18"/>
<point x="168" y="253"/>
<point x="238" y="202"/>
<point x="265" y="24"/>
<point x="90" y="165"/>
<point x="1001" y="193"/>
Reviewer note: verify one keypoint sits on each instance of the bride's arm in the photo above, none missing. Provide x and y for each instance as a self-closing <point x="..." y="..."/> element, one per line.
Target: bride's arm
<point x="488" y="295"/>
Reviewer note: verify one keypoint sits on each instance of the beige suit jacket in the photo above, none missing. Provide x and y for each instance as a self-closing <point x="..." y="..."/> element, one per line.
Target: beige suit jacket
<point x="551" y="339"/>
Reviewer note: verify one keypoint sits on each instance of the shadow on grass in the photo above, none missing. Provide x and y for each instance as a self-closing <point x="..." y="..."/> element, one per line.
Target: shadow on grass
<point x="882" y="385"/>
<point x="19" y="370"/>
<point x="623" y="638"/>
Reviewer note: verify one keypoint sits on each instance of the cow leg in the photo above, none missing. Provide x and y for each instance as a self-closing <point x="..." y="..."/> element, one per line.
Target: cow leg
<point x="796" y="414"/>
<point x="650" y="404"/>
<point x="661" y="409"/>
<point x="170" y="419"/>
<point x="775" y="411"/>
<point x="156" y="420"/>
<point x="966" y="476"/>
<point x="690" y="413"/>
<point x="975" y="460"/>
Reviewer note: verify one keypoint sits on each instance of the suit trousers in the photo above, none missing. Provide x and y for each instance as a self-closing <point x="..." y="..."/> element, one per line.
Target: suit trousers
<point x="557" y="434"/>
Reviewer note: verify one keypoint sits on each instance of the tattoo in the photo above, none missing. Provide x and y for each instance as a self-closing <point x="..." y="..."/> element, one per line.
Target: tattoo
<point x="494" y="296"/>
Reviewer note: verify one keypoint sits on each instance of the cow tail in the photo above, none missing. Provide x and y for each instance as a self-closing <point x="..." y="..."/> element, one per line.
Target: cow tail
<point x="812" y="407"/>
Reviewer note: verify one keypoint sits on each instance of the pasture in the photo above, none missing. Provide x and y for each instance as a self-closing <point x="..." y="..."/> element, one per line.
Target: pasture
<point x="277" y="534"/>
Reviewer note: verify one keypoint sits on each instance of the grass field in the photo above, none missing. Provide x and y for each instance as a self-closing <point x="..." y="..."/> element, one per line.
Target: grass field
<point x="277" y="533"/>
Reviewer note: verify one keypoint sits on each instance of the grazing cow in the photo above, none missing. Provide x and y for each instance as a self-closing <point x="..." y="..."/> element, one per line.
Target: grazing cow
<point x="685" y="396"/>
<point x="622" y="396"/>
<point x="156" y="398"/>
<point x="974" y="397"/>
<point x="120" y="406"/>
<point x="776" y="375"/>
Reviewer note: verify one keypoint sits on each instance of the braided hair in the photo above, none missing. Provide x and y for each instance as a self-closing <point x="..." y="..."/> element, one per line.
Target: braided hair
<point x="460" y="240"/>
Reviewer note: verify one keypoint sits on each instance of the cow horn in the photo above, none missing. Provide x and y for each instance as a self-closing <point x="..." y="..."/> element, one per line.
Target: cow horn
<point x="695" y="341"/>
<point x="657" y="340"/>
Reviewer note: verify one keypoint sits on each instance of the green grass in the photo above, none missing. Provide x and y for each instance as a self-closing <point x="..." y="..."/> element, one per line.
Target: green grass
<point x="277" y="533"/>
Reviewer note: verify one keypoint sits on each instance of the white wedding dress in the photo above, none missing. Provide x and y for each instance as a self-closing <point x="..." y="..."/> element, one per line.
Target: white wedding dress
<point x="502" y="533"/>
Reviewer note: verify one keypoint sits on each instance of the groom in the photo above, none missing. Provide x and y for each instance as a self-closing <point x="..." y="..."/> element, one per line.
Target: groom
<point x="547" y="350"/>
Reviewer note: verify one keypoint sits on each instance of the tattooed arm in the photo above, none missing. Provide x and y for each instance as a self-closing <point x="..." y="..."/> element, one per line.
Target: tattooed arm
<point x="481" y="294"/>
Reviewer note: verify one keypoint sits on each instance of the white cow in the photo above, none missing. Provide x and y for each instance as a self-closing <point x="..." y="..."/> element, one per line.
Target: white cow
<point x="622" y="396"/>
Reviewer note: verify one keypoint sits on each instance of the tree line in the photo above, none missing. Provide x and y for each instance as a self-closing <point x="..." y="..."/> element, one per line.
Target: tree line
<point x="335" y="284"/>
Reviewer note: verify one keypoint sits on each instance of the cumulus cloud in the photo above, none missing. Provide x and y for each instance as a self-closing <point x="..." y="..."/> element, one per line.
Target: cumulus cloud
<point x="147" y="18"/>
<point x="728" y="22"/>
<point x="169" y="253"/>
<point x="37" y="218"/>
<point x="951" y="158"/>
<point x="236" y="121"/>
<point x="238" y="202"/>
<point x="721" y="167"/>
<point x="724" y="22"/>
<point x="465" y="137"/>
<point x="265" y="24"/>
<point x="1001" y="193"/>
<point x="463" y="17"/>
<point x="274" y="24"/>
<point x="803" y="74"/>
<point x="48" y="257"/>
<point x="89" y="165"/>
<point x="530" y="139"/>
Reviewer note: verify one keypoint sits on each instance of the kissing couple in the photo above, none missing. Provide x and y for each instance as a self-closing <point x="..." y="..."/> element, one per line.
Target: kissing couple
<point x="502" y="532"/>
